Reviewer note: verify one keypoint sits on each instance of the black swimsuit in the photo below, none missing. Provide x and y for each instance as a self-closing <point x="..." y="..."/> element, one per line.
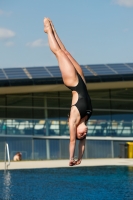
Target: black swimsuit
<point x="84" y="102"/>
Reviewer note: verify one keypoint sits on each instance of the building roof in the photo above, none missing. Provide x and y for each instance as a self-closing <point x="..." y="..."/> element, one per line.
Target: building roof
<point x="44" y="75"/>
<point x="48" y="78"/>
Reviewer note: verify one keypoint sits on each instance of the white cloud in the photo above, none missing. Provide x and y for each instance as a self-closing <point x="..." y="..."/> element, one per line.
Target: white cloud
<point x="127" y="3"/>
<point x="2" y="12"/>
<point x="6" y="33"/>
<point x="9" y="44"/>
<point x="37" y="43"/>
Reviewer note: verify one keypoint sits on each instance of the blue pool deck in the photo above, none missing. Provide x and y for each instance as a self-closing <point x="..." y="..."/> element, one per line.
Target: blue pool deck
<point x="64" y="163"/>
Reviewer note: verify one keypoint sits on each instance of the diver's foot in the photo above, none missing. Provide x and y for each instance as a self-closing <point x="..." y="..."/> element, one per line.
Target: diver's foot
<point x="72" y="162"/>
<point x="78" y="162"/>
<point x="52" y="25"/>
<point x="47" y="25"/>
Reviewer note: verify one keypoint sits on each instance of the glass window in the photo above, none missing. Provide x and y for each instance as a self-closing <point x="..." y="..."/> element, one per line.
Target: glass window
<point x="38" y="102"/>
<point x="39" y="149"/>
<point x="2" y="112"/>
<point x="122" y="104"/>
<point x="2" y="106"/>
<point x="64" y="149"/>
<point x="65" y="102"/>
<point x="2" y="149"/>
<point x="99" y="94"/>
<point x="122" y="99"/>
<point x="2" y="100"/>
<point x="112" y="113"/>
<point x="3" y="126"/>
<point x="99" y="124"/>
<point x="100" y="99"/>
<point x="101" y="115"/>
<point x="64" y="128"/>
<point x="19" y="113"/>
<point x="122" y="128"/>
<point x="100" y="104"/>
<point x="53" y="113"/>
<point x="39" y="113"/>
<point x="38" y="94"/>
<point x="54" y="149"/>
<point x="119" y="116"/>
<point x="52" y="102"/>
<point x="122" y="94"/>
<point x="19" y="100"/>
<point x="52" y="94"/>
<point x="65" y="94"/>
<point x="64" y="113"/>
<point x="98" y="149"/>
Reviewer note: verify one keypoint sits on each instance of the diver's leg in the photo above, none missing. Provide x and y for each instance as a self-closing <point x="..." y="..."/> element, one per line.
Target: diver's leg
<point x="74" y="62"/>
<point x="67" y="68"/>
<point x="57" y="37"/>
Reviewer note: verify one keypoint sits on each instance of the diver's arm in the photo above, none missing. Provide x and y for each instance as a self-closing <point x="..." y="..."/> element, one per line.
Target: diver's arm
<point x="72" y="129"/>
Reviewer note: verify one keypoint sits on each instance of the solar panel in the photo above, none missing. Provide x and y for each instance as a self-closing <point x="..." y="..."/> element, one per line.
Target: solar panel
<point x="15" y="73"/>
<point x="130" y="65"/>
<point x="38" y="72"/>
<point x="55" y="71"/>
<point x="2" y="75"/>
<point x="86" y="70"/>
<point x="101" y="69"/>
<point x="121" y="68"/>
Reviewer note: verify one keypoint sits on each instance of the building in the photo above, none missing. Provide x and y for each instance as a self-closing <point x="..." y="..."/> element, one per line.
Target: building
<point x="34" y="105"/>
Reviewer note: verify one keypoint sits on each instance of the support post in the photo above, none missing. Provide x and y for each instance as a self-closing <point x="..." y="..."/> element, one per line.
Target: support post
<point x="112" y="148"/>
<point x="47" y="130"/>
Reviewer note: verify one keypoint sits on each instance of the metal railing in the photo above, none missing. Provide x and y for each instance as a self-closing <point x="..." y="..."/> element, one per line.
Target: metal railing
<point x="7" y="156"/>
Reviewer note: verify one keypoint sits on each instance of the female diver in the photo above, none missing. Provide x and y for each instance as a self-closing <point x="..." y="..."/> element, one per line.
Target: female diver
<point x="74" y="79"/>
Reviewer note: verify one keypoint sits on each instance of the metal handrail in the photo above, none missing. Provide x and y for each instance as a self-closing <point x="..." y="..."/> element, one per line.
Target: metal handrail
<point x="8" y="156"/>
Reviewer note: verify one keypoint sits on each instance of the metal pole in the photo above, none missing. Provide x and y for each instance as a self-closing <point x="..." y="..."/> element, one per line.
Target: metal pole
<point x="8" y="156"/>
<point x="112" y="148"/>
<point x="5" y="156"/>
<point x="47" y="131"/>
<point x="32" y="149"/>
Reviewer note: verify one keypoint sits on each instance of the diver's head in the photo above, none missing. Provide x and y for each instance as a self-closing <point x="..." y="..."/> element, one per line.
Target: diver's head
<point x="81" y="131"/>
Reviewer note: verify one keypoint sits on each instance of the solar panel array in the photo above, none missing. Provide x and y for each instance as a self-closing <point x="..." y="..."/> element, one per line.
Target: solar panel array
<point x="2" y="75"/>
<point x="54" y="71"/>
<point x="38" y="72"/>
<point x="15" y="73"/>
<point x="101" y="70"/>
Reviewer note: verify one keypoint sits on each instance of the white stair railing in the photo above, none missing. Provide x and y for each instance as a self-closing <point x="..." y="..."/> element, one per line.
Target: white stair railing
<point x="7" y="156"/>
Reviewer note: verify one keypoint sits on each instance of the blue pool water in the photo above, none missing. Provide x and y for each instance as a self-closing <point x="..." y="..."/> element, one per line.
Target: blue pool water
<point x="73" y="183"/>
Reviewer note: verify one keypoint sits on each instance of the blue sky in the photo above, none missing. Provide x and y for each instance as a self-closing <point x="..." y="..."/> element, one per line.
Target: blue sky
<point x="93" y="31"/>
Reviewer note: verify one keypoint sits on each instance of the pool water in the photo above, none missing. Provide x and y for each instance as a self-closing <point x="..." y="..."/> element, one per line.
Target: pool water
<point x="73" y="183"/>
